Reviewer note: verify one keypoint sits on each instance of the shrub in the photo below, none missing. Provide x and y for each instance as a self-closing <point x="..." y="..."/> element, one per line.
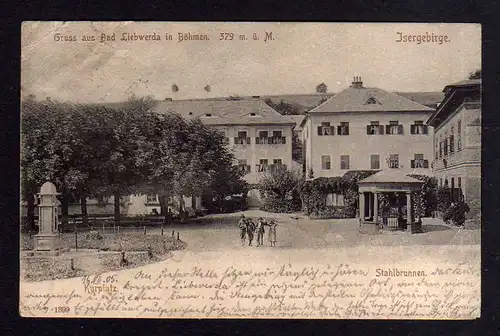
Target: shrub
<point x="279" y="190"/>
<point x="456" y="213"/>
<point x="314" y="192"/>
<point x="443" y="198"/>
<point x="93" y="235"/>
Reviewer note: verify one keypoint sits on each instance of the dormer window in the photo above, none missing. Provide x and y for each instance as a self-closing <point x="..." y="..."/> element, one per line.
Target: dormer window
<point x="208" y="114"/>
<point x="252" y="114"/>
<point x="190" y="113"/>
<point x="372" y="100"/>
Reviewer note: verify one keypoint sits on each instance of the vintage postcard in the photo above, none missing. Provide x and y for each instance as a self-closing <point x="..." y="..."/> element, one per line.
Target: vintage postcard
<point x="250" y="170"/>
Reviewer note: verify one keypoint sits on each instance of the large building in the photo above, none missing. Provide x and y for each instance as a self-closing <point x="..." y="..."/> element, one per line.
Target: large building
<point x="457" y="141"/>
<point x="258" y="136"/>
<point x="364" y="128"/>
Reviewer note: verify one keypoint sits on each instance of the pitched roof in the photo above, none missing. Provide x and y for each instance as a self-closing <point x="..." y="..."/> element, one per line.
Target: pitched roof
<point x="364" y="99"/>
<point x="298" y="118"/>
<point x="430" y="99"/>
<point x="224" y="112"/>
<point x="390" y="176"/>
<point x="466" y="82"/>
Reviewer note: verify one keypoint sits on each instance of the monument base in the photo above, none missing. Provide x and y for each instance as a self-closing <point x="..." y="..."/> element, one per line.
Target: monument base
<point x="49" y="243"/>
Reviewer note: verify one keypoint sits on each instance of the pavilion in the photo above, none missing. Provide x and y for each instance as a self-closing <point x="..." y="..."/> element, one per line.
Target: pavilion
<point x="391" y="183"/>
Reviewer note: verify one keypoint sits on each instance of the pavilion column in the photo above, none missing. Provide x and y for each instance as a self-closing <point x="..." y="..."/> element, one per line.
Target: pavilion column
<point x="362" y="205"/>
<point x="375" y="207"/>
<point x="370" y="206"/>
<point x="409" y="218"/>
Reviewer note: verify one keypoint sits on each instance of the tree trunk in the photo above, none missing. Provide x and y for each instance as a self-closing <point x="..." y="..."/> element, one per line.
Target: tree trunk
<point x="64" y="209"/>
<point x="85" y="216"/>
<point x="30" y="212"/>
<point x="182" y="213"/>
<point x="116" y="197"/>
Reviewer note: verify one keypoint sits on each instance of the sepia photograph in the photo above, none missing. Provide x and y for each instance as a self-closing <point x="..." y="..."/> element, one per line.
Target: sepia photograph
<point x="250" y="170"/>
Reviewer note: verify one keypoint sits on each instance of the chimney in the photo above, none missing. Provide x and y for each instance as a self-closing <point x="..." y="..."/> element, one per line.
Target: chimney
<point x="168" y="99"/>
<point x="357" y="82"/>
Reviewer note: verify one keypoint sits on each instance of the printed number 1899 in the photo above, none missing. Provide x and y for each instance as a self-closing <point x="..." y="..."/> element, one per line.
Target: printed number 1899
<point x="61" y="309"/>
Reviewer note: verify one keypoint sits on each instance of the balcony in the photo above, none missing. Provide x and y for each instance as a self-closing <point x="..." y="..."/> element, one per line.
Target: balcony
<point x="270" y="141"/>
<point x="242" y="141"/>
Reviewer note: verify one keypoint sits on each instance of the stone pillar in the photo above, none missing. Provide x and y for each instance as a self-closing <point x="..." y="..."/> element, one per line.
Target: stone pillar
<point x="47" y="238"/>
<point x="362" y="206"/>
<point x="375" y="207"/>
<point x="409" y="218"/>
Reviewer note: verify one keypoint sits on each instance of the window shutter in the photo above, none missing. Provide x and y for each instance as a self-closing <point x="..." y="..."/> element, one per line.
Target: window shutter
<point x="283" y="140"/>
<point x="368" y="129"/>
<point x="426" y="163"/>
<point x="339" y="130"/>
<point x="319" y="130"/>
<point x="257" y="140"/>
<point x="412" y="163"/>
<point x="400" y="129"/>
<point x="381" y="129"/>
<point x="412" y="129"/>
<point x="425" y="128"/>
<point x="347" y="130"/>
<point x="332" y="130"/>
<point x="249" y="141"/>
<point x="387" y="129"/>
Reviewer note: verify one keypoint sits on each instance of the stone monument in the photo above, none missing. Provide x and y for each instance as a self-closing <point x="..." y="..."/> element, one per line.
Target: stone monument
<point x="47" y="239"/>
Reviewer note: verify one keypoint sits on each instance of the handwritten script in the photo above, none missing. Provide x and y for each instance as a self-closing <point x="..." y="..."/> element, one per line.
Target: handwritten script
<point x="328" y="291"/>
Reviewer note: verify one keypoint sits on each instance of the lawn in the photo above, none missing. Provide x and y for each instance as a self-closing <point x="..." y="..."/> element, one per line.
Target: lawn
<point x="96" y="254"/>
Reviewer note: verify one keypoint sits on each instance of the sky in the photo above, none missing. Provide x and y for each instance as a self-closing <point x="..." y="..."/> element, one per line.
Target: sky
<point x="300" y="56"/>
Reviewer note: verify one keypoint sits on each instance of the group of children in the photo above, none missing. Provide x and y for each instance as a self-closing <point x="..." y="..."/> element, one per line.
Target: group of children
<point x="249" y="228"/>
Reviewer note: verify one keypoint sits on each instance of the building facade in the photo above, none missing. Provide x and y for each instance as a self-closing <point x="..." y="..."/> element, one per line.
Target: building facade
<point x="258" y="136"/>
<point x="457" y="142"/>
<point x="363" y="128"/>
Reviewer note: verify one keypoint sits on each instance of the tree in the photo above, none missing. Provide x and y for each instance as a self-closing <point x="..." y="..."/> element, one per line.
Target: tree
<point x="207" y="88"/>
<point x="175" y="88"/>
<point x="279" y="189"/>
<point x="475" y="75"/>
<point x="283" y="107"/>
<point x="321" y="88"/>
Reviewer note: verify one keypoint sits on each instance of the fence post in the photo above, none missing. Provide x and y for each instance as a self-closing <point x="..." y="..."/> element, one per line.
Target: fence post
<point x="76" y="234"/>
<point x="162" y="230"/>
<point x="178" y="236"/>
<point x="118" y="229"/>
<point x="173" y="233"/>
<point x="144" y="229"/>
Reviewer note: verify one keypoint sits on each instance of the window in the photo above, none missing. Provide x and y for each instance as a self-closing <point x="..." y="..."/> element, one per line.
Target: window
<point x="452" y="142"/>
<point x="343" y="129"/>
<point x="152" y="198"/>
<point x="375" y="161"/>
<point x="394" y="128"/>
<point x="335" y="200"/>
<point x="394" y="161"/>
<point x="459" y="135"/>
<point x="252" y="114"/>
<point x="344" y="162"/>
<point x="445" y="144"/>
<point x="419" y="162"/>
<point x="440" y="182"/>
<point x="263" y="165"/>
<point x="326" y="163"/>
<point x="277" y="161"/>
<point x="242" y="164"/>
<point x="440" y="146"/>
<point x="263" y="138"/>
<point x="418" y="127"/>
<point x="278" y="138"/>
<point x="374" y="128"/>
<point x="371" y="100"/>
<point x="326" y="129"/>
<point x="242" y="138"/>
<point x="225" y="139"/>
<point x="208" y="114"/>
<point x="459" y="183"/>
